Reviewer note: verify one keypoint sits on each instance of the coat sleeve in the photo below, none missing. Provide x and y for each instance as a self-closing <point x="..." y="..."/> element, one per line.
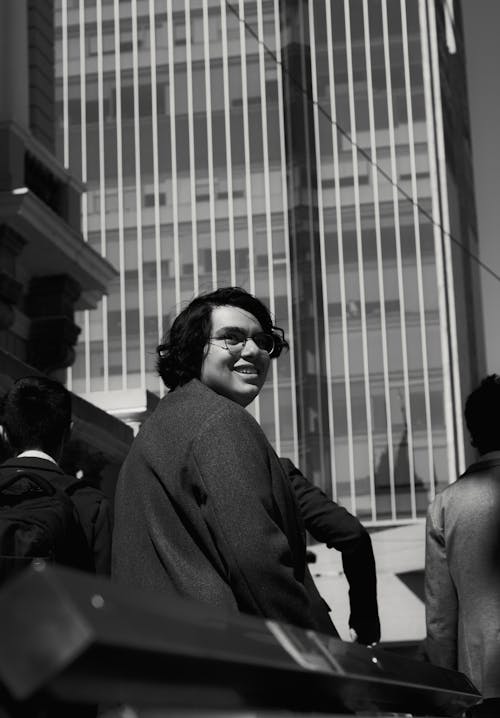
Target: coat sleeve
<point x="232" y="461"/>
<point x="441" y="604"/>
<point x="329" y="523"/>
<point x="102" y="538"/>
<point x="95" y="515"/>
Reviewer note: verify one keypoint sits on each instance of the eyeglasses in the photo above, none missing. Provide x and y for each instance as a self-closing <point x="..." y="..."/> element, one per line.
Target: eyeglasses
<point x="235" y="342"/>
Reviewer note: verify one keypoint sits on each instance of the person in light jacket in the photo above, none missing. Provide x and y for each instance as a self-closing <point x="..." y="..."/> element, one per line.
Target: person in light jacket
<point x="462" y="568"/>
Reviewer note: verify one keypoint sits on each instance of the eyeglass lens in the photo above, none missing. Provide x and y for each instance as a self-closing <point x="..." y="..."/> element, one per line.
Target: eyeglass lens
<point x="236" y="342"/>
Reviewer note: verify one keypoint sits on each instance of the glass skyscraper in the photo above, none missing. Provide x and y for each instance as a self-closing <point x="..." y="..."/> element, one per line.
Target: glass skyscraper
<point x="316" y="152"/>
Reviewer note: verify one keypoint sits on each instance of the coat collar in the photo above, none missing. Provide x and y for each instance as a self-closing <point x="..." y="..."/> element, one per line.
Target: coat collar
<point x="36" y="454"/>
<point x="32" y="462"/>
<point x="487" y="461"/>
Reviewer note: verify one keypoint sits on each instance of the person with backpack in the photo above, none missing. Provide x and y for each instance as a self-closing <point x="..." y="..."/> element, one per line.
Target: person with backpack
<point x="44" y="513"/>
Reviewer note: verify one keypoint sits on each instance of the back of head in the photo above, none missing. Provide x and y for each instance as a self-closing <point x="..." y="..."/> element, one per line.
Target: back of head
<point x="181" y="354"/>
<point x="482" y="415"/>
<point x="37" y="414"/>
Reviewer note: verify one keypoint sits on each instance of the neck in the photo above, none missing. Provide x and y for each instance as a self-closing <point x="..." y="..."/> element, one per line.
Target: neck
<point x="38" y="454"/>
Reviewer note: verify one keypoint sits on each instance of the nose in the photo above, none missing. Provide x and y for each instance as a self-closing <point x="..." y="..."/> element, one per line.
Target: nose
<point x="250" y="348"/>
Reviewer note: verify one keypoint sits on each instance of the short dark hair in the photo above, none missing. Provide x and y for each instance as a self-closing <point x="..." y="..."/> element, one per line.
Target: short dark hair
<point x="180" y="356"/>
<point x="36" y="414"/>
<point x="482" y="415"/>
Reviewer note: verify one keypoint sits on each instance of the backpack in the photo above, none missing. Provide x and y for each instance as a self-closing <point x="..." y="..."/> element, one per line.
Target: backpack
<point x="39" y="521"/>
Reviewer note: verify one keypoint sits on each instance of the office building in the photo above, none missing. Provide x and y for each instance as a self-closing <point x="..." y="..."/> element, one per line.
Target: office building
<point x="318" y="154"/>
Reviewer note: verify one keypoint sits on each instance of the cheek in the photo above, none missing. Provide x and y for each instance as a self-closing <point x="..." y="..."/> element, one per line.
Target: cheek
<point x="265" y="369"/>
<point x="215" y="367"/>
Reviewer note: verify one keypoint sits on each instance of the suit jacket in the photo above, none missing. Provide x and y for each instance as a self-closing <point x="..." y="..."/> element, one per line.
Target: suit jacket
<point x="329" y="523"/>
<point x="203" y="509"/>
<point x="462" y="576"/>
<point x="92" y="507"/>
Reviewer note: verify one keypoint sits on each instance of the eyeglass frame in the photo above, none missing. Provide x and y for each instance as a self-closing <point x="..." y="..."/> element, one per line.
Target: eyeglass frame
<point x="244" y="340"/>
<point x="278" y="341"/>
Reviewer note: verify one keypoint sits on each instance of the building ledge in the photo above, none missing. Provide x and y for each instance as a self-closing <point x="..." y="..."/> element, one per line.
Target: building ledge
<point x="53" y="247"/>
<point x="130" y="405"/>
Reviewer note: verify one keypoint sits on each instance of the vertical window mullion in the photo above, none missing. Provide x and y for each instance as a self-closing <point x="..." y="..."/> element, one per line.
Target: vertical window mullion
<point x="83" y="116"/>
<point x="65" y="81"/>
<point x="227" y="126"/>
<point x="321" y="219"/>
<point x="138" y="181"/>
<point x="433" y="172"/>
<point x="340" y="244"/>
<point x="267" y="199"/>
<point x="284" y="191"/>
<point x="173" y="153"/>
<point x="208" y="96"/>
<point x="119" y="177"/>
<point x="445" y="220"/>
<point x="192" y="164"/>
<point x="248" y="166"/>
<point x="399" y="265"/>
<point x="317" y="353"/>
<point x="418" y="251"/>
<point x="380" y="265"/>
<point x="156" y="171"/>
<point x="102" y="182"/>
<point x="359" y="244"/>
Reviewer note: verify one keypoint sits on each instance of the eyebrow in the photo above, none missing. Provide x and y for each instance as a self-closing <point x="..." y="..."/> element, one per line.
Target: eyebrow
<point x="231" y="329"/>
<point x="237" y="329"/>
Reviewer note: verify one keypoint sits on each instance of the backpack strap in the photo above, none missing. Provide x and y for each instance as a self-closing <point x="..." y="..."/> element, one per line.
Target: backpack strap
<point x="19" y="474"/>
<point x="76" y="484"/>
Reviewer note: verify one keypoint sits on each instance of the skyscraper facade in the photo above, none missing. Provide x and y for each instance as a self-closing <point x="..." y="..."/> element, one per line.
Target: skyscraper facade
<point x="317" y="153"/>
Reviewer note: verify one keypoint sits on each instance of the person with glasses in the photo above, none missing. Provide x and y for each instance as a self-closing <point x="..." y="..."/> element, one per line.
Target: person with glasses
<point x="203" y="506"/>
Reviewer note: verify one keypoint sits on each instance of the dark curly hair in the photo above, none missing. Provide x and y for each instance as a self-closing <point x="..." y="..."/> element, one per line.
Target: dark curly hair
<point x="36" y="414"/>
<point x="180" y="356"/>
<point x="482" y="415"/>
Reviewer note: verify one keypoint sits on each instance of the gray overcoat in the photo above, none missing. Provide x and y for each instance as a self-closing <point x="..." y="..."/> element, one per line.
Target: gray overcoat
<point x="203" y="509"/>
<point x="462" y="576"/>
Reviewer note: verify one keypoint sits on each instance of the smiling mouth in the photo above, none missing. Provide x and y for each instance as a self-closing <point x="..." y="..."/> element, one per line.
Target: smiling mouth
<point x="250" y="371"/>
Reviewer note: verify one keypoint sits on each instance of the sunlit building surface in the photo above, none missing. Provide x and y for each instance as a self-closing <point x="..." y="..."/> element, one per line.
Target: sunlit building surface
<point x="316" y="153"/>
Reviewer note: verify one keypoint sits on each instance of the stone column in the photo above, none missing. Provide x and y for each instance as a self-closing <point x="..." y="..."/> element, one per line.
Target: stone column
<point x="50" y="305"/>
<point x="11" y="244"/>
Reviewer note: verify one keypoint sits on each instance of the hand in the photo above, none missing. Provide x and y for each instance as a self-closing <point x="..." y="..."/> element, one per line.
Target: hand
<point x="355" y="639"/>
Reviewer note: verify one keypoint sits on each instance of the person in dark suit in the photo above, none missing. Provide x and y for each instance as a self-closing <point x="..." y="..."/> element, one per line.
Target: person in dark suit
<point x="36" y="419"/>
<point x="203" y="508"/>
<point x="333" y="525"/>
<point x="462" y="566"/>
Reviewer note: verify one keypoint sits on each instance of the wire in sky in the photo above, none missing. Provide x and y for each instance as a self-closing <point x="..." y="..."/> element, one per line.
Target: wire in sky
<point x="364" y="153"/>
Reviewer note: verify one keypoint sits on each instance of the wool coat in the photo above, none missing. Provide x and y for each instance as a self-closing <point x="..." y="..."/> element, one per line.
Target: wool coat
<point x="462" y="576"/>
<point x="203" y="509"/>
<point x="92" y="507"/>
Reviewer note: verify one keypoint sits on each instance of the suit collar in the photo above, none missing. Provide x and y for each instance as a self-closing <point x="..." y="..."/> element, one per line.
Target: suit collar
<point x="31" y="462"/>
<point x="487" y="461"/>
<point x="36" y="454"/>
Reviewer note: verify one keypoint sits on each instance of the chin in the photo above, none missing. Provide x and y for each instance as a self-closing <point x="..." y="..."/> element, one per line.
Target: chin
<point x="245" y="399"/>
